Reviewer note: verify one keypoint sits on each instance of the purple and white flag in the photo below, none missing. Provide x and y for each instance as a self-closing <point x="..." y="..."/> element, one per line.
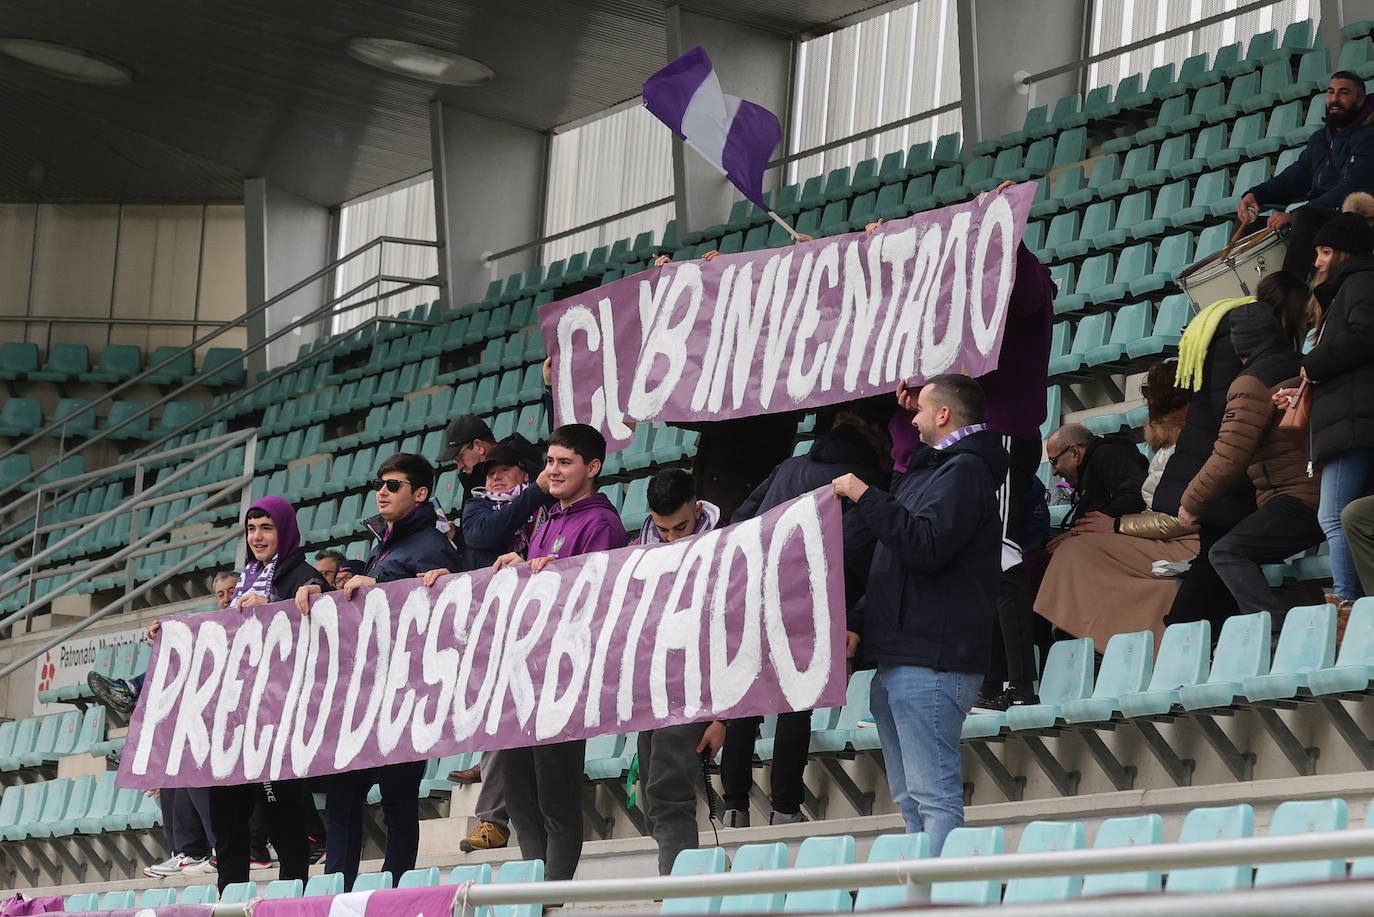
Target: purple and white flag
<point x="390" y="902"/>
<point x="735" y="135"/>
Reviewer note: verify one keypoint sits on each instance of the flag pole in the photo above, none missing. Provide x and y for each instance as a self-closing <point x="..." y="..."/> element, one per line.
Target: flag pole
<point x="783" y="223"/>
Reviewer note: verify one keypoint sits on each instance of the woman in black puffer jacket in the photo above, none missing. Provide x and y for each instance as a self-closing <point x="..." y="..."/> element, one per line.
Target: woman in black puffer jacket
<point x="1340" y="369"/>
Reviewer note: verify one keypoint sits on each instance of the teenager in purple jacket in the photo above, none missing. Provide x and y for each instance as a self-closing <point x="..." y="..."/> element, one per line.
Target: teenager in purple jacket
<point x="544" y="782"/>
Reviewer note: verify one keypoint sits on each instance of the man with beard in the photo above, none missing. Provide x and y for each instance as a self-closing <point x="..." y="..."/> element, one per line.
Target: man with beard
<point x="1337" y="160"/>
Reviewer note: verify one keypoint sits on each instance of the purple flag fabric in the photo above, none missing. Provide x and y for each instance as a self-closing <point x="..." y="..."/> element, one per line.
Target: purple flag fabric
<point x="734" y="135"/>
<point x="390" y="902"/>
<point x="790" y="328"/>
<point x="739" y="621"/>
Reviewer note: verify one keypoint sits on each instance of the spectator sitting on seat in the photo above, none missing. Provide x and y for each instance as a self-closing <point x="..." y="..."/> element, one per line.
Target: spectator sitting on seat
<point x="498" y="518"/>
<point x="1338" y="159"/>
<point x="347" y="568"/>
<point x="544" y="782"/>
<point x="1119" y="562"/>
<point x="1249" y="441"/>
<point x="408" y="544"/>
<point x="1105" y="472"/>
<point x="670" y="757"/>
<point x="327" y="563"/>
<point x="855" y="444"/>
<point x="926" y="618"/>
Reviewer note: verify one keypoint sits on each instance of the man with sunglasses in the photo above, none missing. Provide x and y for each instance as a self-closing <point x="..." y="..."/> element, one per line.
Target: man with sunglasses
<point x="408" y="544"/>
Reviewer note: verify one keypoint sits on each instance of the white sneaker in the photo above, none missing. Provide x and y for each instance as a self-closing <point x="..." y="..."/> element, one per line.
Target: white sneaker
<point x="168" y="867"/>
<point x="198" y="867"/>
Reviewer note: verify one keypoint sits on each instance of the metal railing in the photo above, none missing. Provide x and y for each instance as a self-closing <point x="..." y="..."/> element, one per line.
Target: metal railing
<point x="334" y="305"/>
<point x="139" y="543"/>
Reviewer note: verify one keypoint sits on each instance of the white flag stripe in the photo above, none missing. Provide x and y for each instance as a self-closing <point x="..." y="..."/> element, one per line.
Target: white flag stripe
<point x="706" y="123"/>
<point x="350" y="904"/>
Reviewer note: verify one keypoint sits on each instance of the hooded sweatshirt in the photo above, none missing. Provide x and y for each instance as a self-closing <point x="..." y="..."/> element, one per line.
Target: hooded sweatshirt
<point x="842" y="450"/>
<point x="590" y="524"/>
<point x="708" y="519"/>
<point x="937" y="559"/>
<point x="288" y="570"/>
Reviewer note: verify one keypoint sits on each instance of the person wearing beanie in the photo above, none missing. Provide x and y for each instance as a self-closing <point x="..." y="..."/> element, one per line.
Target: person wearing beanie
<point x="1249" y="442"/>
<point x="1338" y="159"/>
<point x="1340" y="370"/>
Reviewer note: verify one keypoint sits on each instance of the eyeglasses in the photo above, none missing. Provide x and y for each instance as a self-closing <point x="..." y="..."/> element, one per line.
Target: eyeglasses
<point x="392" y="485"/>
<point x="1054" y="459"/>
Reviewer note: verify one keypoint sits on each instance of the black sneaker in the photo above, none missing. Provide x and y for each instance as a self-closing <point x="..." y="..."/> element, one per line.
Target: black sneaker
<point x="996" y="703"/>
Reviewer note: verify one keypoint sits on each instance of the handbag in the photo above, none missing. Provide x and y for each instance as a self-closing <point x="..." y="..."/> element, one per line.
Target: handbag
<point x="1293" y="424"/>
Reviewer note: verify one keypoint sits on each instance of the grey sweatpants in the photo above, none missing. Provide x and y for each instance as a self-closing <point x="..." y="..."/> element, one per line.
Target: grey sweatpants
<point x="669" y="774"/>
<point x="491" y="798"/>
<point x="544" y="798"/>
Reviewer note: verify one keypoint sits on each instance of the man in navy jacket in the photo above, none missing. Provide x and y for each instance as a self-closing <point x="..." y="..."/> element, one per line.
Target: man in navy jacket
<point x="1338" y="159"/>
<point x="926" y="619"/>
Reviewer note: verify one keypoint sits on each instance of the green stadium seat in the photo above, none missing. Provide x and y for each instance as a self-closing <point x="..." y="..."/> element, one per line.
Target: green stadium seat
<point x="1127" y="664"/>
<point x="1261" y="47"/>
<point x="157" y="897"/>
<point x="1313" y="70"/>
<point x="1175" y="254"/>
<point x="1126" y="831"/>
<point x="1034" y="237"/>
<point x="1068" y="113"/>
<point x="1130" y="323"/>
<point x="1132" y="210"/>
<point x="636" y="507"/>
<point x="1306" y="642"/>
<point x="1355" y="55"/>
<point x="816" y="852"/>
<point x="834" y="739"/>
<point x="14" y="467"/>
<point x="1242" y="651"/>
<point x="965" y="842"/>
<point x="174" y="373"/>
<point x="862" y="211"/>
<point x="54" y="807"/>
<point x="837" y="186"/>
<point x="892" y="169"/>
<point x="835" y="219"/>
<point x="1174" y="312"/>
<point x="1091" y="332"/>
<point x="21" y="417"/>
<point x="373" y="881"/>
<point x="1103" y="173"/>
<point x="1209" y="189"/>
<point x="122" y="900"/>
<point x="1275" y="78"/>
<point x="514" y="871"/>
<point x="1138" y="161"/>
<point x="1068" y="675"/>
<point x="1209" y="142"/>
<point x="700" y="862"/>
<point x="176" y="415"/>
<point x="1284" y="122"/>
<point x="66" y="362"/>
<point x="223" y="366"/>
<point x="241" y="892"/>
<point x="920" y="195"/>
<point x="948" y="186"/>
<point x="1247" y="176"/>
<point x="425" y="877"/>
<point x="208" y="894"/>
<point x="118" y="363"/>
<point x="1354" y="667"/>
<point x="751" y="858"/>
<point x="1304" y="816"/>
<point x="1093" y="274"/>
<point x="331" y="883"/>
<point x="349" y="514"/>
<point x="1065" y="184"/>
<point x="1044" y="837"/>
<point x="29" y="812"/>
<point x="891" y="848"/>
<point x="812" y="193"/>
<point x="1169" y="200"/>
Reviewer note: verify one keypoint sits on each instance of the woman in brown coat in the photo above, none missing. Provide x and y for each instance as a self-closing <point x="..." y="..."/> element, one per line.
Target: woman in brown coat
<point x="1249" y="442"/>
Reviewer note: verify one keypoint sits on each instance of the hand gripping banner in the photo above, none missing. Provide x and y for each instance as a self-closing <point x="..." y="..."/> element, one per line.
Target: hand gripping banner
<point x="787" y="328"/>
<point x="744" y="620"/>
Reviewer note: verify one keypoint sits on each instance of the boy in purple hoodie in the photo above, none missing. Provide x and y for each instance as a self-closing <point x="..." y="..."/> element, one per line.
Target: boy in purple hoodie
<point x="544" y="782"/>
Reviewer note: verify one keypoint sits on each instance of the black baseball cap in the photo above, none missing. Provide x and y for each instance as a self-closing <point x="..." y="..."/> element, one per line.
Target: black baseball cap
<point x="352" y="566"/>
<point x="501" y="454"/>
<point x="462" y="430"/>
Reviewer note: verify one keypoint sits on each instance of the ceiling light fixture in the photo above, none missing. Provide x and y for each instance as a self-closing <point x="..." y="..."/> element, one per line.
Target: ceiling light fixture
<point x="66" y="62"/>
<point x="421" y="62"/>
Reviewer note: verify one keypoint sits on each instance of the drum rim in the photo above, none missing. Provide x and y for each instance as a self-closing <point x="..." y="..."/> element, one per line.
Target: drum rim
<point x="1225" y="260"/>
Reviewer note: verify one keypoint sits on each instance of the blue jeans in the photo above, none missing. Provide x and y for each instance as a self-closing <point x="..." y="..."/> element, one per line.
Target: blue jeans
<point x="1344" y="479"/>
<point x="920" y="713"/>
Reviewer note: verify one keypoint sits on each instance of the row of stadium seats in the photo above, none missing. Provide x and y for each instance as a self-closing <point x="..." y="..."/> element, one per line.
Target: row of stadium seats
<point x="21" y="417"/>
<point x="19" y="361"/>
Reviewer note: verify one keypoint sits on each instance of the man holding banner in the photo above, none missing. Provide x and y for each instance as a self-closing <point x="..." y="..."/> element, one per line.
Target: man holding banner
<point x="544" y="782"/>
<point x="926" y="619"/>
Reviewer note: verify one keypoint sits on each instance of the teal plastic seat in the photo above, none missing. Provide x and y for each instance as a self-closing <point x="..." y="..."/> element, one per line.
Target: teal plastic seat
<point x="1043" y="837"/>
<point x="1136" y="261"/>
<point x="21" y="417"/>
<point x="1127" y="664"/>
<point x="209" y="894"/>
<point x="101" y="806"/>
<point x="78" y="801"/>
<point x="1175" y="254"/>
<point x="120" y="411"/>
<point x="1097" y="221"/>
<point x="1242" y="651"/>
<point x="1093" y="274"/>
<point x="279" y="889"/>
<point x="514" y="871"/>
<point x="1128" y="831"/>
<point x="822" y="851"/>
<point x="1091" y="333"/>
<point x="1063" y="230"/>
<point x="1171" y="198"/>
<point x="969" y="842"/>
<point x="1174" y="313"/>
<point x="1304" y="816"/>
<point x="696" y="862"/>
<point x="1354" y="667"/>
<point x="1213" y="824"/>
<point x="66" y="362"/>
<point x="837" y="738"/>
<point x="1306" y="642"/>
<point x="331" y="883"/>
<point x="372" y="881"/>
<point x="82" y="423"/>
<point x="177" y="371"/>
<point x="891" y="848"/>
<point x="241" y="892"/>
<point x="81" y="902"/>
<point x="18" y="359"/>
<point x="54" y="807"/>
<point x="750" y="858"/>
<point x="1101" y="174"/>
<point x="424" y="877"/>
<point x="1068" y="675"/>
<point x="157" y="897"/>
<point x="1183" y="659"/>
<point x="122" y="900"/>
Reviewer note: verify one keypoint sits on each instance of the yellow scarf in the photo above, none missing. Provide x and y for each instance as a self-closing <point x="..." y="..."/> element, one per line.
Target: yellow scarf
<point x="1197" y="337"/>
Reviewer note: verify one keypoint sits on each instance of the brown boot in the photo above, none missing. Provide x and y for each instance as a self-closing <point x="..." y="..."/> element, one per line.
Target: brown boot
<point x="466" y="776"/>
<point x="1342" y="619"/>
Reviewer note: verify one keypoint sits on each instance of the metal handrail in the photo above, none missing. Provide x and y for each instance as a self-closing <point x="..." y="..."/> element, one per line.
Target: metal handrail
<point x="299" y="285"/>
<point x="921" y="872"/>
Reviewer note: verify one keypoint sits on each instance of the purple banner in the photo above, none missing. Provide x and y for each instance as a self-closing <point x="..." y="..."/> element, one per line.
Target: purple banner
<point x="798" y="327"/>
<point x="388" y="902"/>
<point x="704" y="628"/>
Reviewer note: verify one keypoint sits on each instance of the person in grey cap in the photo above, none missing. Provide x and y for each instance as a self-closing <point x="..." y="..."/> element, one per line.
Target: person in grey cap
<point x="1249" y="442"/>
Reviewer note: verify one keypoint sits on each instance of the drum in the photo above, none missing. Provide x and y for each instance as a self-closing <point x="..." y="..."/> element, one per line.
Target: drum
<point x="1236" y="270"/>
